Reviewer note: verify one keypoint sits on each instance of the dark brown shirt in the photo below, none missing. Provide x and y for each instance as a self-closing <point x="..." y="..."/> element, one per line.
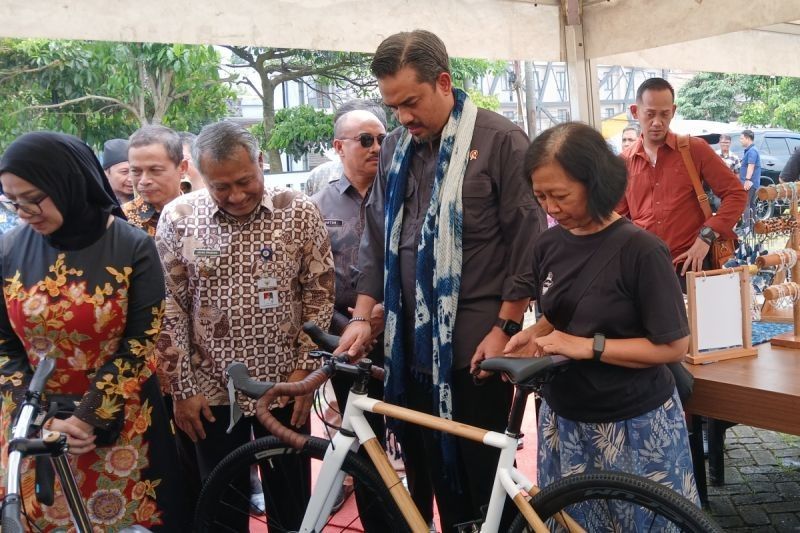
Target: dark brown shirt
<point x="501" y="223"/>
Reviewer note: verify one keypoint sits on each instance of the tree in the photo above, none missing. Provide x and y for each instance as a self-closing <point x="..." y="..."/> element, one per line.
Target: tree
<point x="323" y="72"/>
<point x="751" y="100"/>
<point x="298" y="131"/>
<point x="99" y="90"/>
<point x="275" y="66"/>
<point x="708" y="96"/>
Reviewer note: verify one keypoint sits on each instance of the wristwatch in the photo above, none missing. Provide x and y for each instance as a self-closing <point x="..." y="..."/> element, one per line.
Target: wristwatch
<point x="598" y="346"/>
<point x="707" y="235"/>
<point x="509" y="327"/>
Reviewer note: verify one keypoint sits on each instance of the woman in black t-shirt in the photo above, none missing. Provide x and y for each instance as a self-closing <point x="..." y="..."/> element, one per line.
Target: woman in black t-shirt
<point x="615" y="407"/>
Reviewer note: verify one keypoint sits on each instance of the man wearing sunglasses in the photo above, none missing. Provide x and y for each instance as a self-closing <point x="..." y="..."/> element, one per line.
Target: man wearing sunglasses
<point x="358" y="136"/>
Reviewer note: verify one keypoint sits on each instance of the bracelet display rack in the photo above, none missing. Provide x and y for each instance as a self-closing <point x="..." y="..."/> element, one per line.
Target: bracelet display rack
<point x="781" y="299"/>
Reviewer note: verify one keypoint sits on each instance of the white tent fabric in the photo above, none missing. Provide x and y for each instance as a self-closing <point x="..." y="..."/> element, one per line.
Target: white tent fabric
<point x="748" y="36"/>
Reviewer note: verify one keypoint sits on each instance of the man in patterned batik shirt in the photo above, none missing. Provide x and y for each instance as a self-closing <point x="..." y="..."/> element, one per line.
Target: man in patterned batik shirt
<point x="155" y="155"/>
<point x="245" y="267"/>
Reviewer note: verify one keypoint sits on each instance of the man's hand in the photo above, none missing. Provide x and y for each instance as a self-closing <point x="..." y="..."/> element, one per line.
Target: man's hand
<point x="491" y="346"/>
<point x="302" y="404"/>
<point x="80" y="435"/>
<point x="748" y="184"/>
<point x="562" y="343"/>
<point x="187" y="416"/>
<point x="692" y="258"/>
<point x="376" y="320"/>
<point x="355" y="339"/>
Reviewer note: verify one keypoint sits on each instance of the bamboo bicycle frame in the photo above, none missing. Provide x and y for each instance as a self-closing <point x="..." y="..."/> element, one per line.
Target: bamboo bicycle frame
<point x="508" y="480"/>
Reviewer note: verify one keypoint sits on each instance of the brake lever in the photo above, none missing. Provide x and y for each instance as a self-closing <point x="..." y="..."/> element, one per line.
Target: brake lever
<point x="235" y="410"/>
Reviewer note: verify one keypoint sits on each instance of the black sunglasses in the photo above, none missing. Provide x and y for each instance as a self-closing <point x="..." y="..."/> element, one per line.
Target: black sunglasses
<point x="367" y="139"/>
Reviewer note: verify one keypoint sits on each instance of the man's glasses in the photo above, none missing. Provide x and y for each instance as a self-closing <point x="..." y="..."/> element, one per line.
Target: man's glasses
<point x="367" y="139"/>
<point x="31" y="207"/>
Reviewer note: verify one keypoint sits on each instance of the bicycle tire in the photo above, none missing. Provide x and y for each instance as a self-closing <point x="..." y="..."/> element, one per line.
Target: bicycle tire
<point x="217" y="489"/>
<point x="606" y="487"/>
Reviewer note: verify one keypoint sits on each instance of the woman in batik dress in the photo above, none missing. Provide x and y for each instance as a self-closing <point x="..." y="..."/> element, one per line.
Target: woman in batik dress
<point x="82" y="286"/>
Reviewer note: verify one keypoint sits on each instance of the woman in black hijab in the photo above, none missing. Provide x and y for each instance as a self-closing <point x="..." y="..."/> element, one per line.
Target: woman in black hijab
<point x="85" y="288"/>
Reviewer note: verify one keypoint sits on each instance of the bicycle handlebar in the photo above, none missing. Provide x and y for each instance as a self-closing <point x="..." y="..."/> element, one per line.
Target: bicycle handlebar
<point x="11" y="512"/>
<point x="27" y="414"/>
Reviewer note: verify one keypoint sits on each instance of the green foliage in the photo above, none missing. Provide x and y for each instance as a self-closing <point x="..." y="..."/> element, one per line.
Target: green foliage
<point x="707" y="96"/>
<point x="100" y="90"/>
<point x="490" y="102"/>
<point x="300" y="130"/>
<point x="471" y="70"/>
<point x="751" y="100"/>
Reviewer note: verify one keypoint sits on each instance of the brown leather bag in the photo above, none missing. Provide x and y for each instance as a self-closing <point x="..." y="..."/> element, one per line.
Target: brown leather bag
<point x="722" y="250"/>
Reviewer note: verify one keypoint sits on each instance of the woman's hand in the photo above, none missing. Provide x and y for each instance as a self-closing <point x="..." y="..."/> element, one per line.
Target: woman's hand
<point x="80" y="435"/>
<point x="523" y="344"/>
<point x="565" y="344"/>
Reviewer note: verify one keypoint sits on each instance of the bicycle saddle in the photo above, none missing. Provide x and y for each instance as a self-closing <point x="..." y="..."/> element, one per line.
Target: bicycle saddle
<point x="521" y="369"/>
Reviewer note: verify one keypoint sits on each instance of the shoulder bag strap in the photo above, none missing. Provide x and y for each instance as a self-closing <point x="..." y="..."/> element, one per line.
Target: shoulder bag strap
<point x="702" y="197"/>
<point x="597" y="263"/>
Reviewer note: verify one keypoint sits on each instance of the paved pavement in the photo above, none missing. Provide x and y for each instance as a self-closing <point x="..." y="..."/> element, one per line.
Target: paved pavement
<point x="762" y="482"/>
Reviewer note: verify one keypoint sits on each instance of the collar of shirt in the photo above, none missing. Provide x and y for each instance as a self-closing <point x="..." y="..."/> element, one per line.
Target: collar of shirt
<point x="671" y="142"/>
<point x="266" y="203"/>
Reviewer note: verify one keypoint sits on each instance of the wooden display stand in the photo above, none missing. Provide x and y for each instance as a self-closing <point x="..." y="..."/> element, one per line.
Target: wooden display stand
<point x="746" y="349"/>
<point x="780" y="288"/>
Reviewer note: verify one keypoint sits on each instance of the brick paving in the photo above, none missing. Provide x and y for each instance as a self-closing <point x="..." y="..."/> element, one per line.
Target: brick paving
<point x="762" y="482"/>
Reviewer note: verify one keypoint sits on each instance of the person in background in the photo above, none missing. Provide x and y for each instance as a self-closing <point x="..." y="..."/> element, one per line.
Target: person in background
<point x="749" y="173"/>
<point x="660" y="196"/>
<point x="245" y="267"/>
<point x="156" y="160"/>
<point x="357" y="140"/>
<point x="629" y="135"/>
<point x="191" y="176"/>
<point x="117" y="169"/>
<point x="85" y="288"/>
<point x="615" y="406"/>
<point x="731" y="159"/>
<point x="791" y="172"/>
<point x="321" y="175"/>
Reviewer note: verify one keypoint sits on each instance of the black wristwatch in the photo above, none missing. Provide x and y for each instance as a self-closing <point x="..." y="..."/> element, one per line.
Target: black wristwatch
<point x="598" y="346"/>
<point x="707" y="235"/>
<point x="509" y="327"/>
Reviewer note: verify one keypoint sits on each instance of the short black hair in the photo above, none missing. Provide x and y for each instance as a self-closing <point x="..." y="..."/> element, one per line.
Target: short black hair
<point x="585" y="156"/>
<point x="419" y="49"/>
<point x="749" y="134"/>
<point x="654" y="84"/>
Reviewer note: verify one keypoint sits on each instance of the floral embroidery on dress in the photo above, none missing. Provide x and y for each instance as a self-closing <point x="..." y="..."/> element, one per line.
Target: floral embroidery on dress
<point x="82" y="326"/>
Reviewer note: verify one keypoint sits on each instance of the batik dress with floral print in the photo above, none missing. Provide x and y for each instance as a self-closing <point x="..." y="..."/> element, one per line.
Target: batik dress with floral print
<point x="97" y="313"/>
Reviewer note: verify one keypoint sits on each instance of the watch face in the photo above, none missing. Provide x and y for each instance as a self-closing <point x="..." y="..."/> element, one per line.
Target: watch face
<point x="512" y="328"/>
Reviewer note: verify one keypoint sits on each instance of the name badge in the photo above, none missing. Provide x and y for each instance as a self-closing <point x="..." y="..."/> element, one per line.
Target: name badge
<point x="333" y="223"/>
<point x="206" y="252"/>
<point x="267" y="293"/>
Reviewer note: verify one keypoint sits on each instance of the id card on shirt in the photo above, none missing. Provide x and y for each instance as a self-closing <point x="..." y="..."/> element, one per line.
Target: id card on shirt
<point x="267" y="293"/>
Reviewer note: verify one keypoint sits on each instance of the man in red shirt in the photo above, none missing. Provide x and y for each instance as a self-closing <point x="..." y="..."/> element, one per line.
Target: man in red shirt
<point x="660" y="197"/>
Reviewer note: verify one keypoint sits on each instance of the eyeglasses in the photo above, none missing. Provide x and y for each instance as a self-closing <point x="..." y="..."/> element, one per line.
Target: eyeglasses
<point x="31" y="207"/>
<point x="366" y="139"/>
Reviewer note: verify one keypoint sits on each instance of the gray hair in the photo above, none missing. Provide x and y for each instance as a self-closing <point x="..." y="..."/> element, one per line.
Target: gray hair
<point x="155" y="134"/>
<point x="632" y="127"/>
<point x="220" y="140"/>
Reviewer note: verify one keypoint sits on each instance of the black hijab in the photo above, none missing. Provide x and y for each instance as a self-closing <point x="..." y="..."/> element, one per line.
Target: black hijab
<point x="66" y="169"/>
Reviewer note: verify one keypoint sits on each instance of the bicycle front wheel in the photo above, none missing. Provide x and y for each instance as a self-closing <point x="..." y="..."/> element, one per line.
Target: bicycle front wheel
<point x="616" y="501"/>
<point x="225" y="503"/>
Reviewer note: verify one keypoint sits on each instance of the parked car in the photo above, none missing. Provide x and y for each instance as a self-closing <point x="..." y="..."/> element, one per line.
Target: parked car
<point x="774" y="145"/>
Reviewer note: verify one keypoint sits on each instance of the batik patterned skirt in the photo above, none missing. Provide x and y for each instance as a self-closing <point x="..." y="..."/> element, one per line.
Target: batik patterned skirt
<point x="654" y="445"/>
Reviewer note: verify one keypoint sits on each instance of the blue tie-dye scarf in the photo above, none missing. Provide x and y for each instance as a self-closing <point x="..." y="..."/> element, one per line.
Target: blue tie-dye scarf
<point x="438" y="269"/>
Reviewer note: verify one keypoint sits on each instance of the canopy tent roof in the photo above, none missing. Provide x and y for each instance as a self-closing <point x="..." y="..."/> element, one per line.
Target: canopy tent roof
<point x="748" y="36"/>
<point x="745" y="36"/>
